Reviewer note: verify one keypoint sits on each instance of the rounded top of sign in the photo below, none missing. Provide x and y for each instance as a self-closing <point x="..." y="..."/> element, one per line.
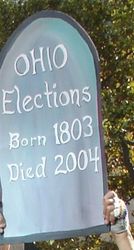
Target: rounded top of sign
<point x="51" y="14"/>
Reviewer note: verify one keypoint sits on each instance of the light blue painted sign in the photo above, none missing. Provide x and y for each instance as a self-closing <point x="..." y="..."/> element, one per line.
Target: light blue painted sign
<point x="51" y="153"/>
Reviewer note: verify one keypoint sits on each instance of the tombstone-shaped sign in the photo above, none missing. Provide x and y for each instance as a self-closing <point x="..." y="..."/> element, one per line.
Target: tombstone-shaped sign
<point x="51" y="150"/>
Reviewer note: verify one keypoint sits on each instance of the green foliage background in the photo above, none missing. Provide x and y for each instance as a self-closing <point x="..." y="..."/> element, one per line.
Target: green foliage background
<point x="110" y="24"/>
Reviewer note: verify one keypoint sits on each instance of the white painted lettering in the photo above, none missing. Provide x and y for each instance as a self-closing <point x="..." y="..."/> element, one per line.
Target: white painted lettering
<point x="37" y="60"/>
<point x="61" y="48"/>
<point x="14" y="172"/>
<point x="7" y="102"/>
<point x="20" y="60"/>
<point x="15" y="141"/>
<point x="21" y="172"/>
<point x="26" y="101"/>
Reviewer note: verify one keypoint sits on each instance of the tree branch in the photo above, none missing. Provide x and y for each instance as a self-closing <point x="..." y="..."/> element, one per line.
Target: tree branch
<point x="126" y="158"/>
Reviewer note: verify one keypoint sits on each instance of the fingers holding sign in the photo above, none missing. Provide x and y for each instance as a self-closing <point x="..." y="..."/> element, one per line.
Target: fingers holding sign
<point x="115" y="213"/>
<point x="2" y="223"/>
<point x="108" y="204"/>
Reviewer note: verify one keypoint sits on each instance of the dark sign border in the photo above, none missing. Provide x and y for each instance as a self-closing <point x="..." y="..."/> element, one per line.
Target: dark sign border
<point x="92" y="48"/>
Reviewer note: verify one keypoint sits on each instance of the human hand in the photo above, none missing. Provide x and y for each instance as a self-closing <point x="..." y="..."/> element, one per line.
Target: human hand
<point x="2" y="223"/>
<point x="108" y="207"/>
<point x="115" y="213"/>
